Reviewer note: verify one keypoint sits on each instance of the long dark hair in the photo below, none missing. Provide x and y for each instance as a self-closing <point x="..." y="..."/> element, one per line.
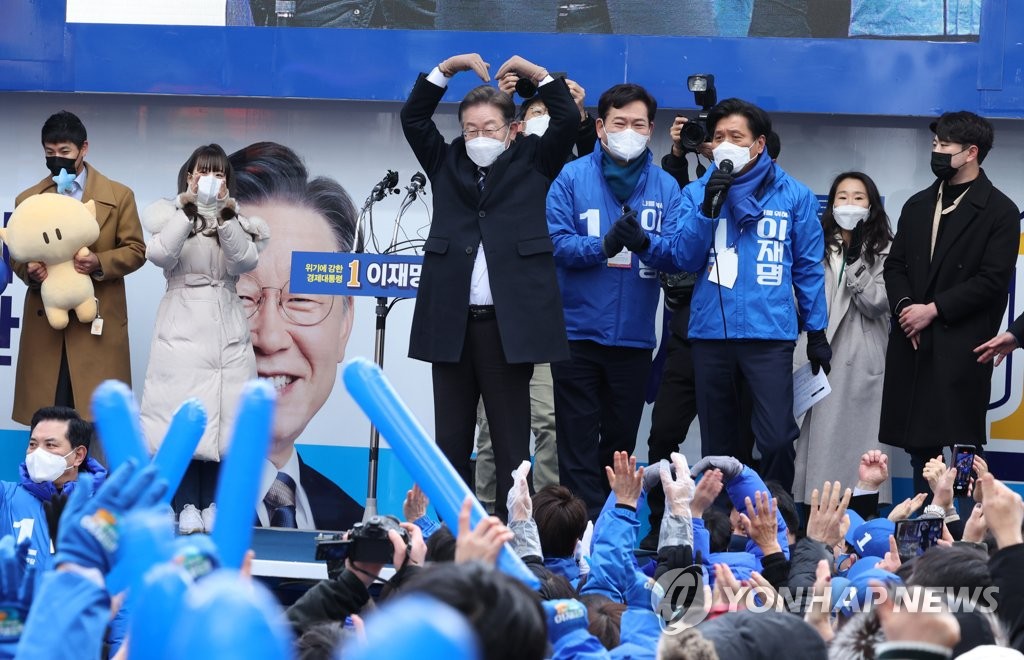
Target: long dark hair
<point x="209" y="158"/>
<point x="875" y="232"/>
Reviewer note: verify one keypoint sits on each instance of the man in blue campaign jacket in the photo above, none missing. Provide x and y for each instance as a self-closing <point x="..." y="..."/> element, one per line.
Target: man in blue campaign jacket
<point x="58" y="449"/>
<point x="754" y="232"/>
<point x="611" y="215"/>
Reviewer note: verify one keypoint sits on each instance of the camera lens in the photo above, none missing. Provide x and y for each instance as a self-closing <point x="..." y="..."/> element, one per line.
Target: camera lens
<point x="692" y="135"/>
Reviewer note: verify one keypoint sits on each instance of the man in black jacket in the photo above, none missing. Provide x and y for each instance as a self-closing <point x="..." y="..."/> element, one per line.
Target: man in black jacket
<point x="947" y="277"/>
<point x="488" y="306"/>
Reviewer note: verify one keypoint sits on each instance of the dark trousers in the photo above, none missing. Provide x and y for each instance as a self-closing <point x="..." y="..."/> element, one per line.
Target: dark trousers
<point x="674" y="410"/>
<point x="198" y="487"/>
<point x="505" y="389"/>
<point x="599" y="398"/>
<point x="767" y="367"/>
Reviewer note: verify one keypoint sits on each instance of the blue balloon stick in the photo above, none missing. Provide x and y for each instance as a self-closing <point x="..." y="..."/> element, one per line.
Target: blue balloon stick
<point x="239" y="483"/>
<point x="117" y="421"/>
<point x="420" y="456"/>
<point x="179" y="445"/>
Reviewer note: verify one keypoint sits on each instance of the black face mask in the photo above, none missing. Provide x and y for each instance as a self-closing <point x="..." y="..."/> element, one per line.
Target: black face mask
<point x="942" y="164"/>
<point x="55" y="164"/>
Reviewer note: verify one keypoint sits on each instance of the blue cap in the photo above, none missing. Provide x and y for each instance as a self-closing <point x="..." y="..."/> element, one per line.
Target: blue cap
<point x="855" y="521"/>
<point x="872" y="538"/>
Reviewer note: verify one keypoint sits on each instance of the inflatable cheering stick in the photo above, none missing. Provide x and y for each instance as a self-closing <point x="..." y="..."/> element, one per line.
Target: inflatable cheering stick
<point x="238" y="488"/>
<point x="400" y="631"/>
<point x="179" y="445"/>
<point x="117" y="422"/>
<point x="419" y="455"/>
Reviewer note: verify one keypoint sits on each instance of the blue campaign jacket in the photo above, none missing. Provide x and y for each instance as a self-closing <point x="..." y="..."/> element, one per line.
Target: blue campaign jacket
<point x="745" y="485"/>
<point x="611" y="306"/>
<point x="779" y="255"/>
<point x="566" y="567"/>
<point x="22" y="514"/>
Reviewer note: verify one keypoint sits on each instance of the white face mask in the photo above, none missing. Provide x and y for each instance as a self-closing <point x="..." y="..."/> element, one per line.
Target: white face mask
<point x="484" y="150"/>
<point x="848" y="216"/>
<point x="44" y="466"/>
<point x="739" y="156"/>
<point x="538" y="125"/>
<point x="626" y="145"/>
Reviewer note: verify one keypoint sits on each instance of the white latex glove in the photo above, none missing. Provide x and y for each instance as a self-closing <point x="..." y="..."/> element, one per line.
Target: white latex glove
<point x="519" y="502"/>
<point x="677" y="523"/>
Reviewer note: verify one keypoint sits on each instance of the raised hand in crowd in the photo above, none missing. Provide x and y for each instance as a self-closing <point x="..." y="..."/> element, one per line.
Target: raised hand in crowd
<point x="818" y="614"/>
<point x="873" y="471"/>
<point x="706" y="491"/>
<point x="891" y="561"/>
<point x="828" y="508"/>
<point x="625" y="478"/>
<point x="482" y="543"/>
<point x="976" y="525"/>
<point x="761" y="522"/>
<point x="907" y="507"/>
<point x="677" y="521"/>
<point x="465" y="62"/>
<point x="415" y="505"/>
<point x="1004" y="512"/>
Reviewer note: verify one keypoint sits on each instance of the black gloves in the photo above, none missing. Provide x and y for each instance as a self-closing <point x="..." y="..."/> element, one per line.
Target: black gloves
<point x="611" y="245"/>
<point x="818" y="351"/>
<point x="629" y="232"/>
<point x="718" y="182"/>
<point x="856" y="241"/>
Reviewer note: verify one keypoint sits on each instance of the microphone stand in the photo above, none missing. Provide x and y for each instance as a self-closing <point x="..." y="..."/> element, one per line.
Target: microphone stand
<point x="381" y="311"/>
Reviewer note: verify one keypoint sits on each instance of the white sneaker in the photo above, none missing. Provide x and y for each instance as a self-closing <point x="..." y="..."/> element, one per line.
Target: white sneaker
<point x="208" y="515"/>
<point x="189" y="520"/>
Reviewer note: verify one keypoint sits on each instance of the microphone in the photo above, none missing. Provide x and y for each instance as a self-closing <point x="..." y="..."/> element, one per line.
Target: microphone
<point x="416" y="184"/>
<point x="389" y="182"/>
<point x="718" y="199"/>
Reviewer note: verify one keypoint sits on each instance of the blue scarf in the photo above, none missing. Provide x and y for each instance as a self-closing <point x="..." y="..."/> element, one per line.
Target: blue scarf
<point x="741" y="204"/>
<point x="46" y="490"/>
<point x="622" y="179"/>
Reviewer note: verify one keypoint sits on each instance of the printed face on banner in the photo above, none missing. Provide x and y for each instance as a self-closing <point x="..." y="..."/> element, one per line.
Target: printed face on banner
<point x="300" y="360"/>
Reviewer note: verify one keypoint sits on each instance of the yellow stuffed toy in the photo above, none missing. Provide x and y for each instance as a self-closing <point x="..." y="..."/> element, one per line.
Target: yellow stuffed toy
<point x="52" y="229"/>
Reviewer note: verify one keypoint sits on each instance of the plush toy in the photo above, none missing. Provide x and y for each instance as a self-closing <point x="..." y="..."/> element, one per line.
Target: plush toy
<point x="53" y="229"/>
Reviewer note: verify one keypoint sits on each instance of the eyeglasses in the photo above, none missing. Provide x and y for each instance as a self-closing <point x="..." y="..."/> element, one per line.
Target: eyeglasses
<point x="485" y="132"/>
<point x="301" y="309"/>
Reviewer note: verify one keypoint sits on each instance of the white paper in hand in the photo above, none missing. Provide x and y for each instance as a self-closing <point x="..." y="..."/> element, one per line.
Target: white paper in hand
<point x="808" y="389"/>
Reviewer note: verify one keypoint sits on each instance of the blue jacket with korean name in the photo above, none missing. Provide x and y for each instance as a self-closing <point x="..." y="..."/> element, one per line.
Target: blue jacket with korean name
<point x="22" y="514"/>
<point x="611" y="306"/>
<point x="779" y="255"/>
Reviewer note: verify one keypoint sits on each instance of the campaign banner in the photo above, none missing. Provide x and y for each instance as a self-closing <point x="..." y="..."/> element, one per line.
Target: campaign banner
<point x="356" y="274"/>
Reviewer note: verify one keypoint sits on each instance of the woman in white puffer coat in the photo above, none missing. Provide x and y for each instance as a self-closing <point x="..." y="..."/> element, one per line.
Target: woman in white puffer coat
<point x="201" y="346"/>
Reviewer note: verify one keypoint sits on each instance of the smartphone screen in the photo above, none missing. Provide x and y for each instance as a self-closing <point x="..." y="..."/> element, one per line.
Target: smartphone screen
<point x="915" y="536"/>
<point x="963" y="461"/>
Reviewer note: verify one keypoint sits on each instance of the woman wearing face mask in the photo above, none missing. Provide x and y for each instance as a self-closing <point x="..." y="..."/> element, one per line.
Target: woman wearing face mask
<point x="201" y="346"/>
<point x="838" y="430"/>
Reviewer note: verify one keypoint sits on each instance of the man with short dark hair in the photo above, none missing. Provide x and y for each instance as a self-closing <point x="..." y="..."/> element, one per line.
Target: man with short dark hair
<point x="610" y="214"/>
<point x="753" y="234"/>
<point x="58" y="449"/>
<point x="488" y="306"/>
<point x="561" y="519"/>
<point x="63" y="367"/>
<point x="947" y="277"/>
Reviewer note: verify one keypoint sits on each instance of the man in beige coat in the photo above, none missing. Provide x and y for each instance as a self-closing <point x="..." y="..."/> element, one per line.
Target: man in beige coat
<point x="63" y="367"/>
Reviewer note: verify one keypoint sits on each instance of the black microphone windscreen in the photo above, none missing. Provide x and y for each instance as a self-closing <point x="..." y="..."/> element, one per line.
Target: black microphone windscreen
<point x="392" y="179"/>
<point x="726" y="166"/>
<point x="419" y="178"/>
